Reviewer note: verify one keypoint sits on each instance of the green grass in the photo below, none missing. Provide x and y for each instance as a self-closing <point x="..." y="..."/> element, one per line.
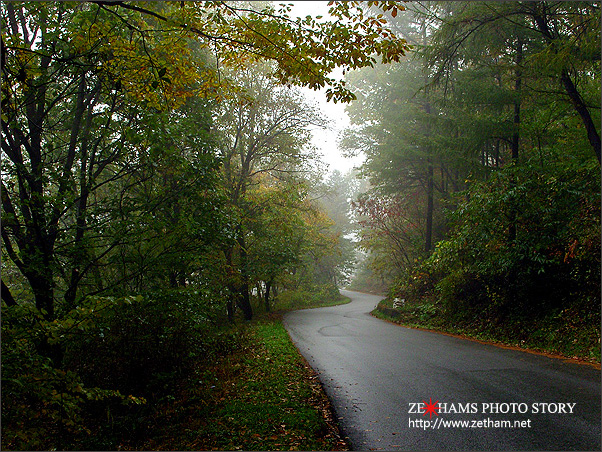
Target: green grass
<point x="264" y="396"/>
<point x="274" y="405"/>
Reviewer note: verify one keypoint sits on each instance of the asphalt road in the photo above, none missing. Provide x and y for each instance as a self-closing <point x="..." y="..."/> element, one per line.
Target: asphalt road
<point x="376" y="373"/>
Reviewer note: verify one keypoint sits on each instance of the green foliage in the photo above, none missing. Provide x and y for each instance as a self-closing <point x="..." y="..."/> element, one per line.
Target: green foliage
<point x="259" y="395"/>
<point x="572" y="332"/>
<point x="551" y="260"/>
<point x="42" y="406"/>
<point x="304" y="298"/>
<point x="124" y="171"/>
<point x="496" y="119"/>
<point x="307" y="50"/>
<point x="539" y="287"/>
<point x="119" y="353"/>
<point x="173" y="215"/>
<point x="142" y="342"/>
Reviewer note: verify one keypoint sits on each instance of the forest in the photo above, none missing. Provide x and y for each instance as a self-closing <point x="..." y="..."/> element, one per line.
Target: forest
<point x="483" y="154"/>
<point x="161" y="193"/>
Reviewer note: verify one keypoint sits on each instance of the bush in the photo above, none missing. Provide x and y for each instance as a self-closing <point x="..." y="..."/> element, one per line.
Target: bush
<point x="134" y="346"/>
<point x="118" y="353"/>
<point x="308" y="297"/>
<point x="551" y="261"/>
<point x="539" y="285"/>
<point x="42" y="406"/>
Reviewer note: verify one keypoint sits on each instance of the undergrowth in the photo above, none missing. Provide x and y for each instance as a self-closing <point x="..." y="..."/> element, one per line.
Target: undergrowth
<point x="569" y="333"/>
<point x="304" y="299"/>
<point x="262" y="397"/>
<point x="160" y="372"/>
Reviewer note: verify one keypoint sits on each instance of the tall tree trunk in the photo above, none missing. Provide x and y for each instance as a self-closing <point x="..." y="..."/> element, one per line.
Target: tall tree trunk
<point x="80" y="249"/>
<point x="541" y="19"/>
<point x="7" y="296"/>
<point x="244" y="301"/>
<point x="581" y="108"/>
<point x="428" y="243"/>
<point x="41" y="285"/>
<point x="230" y="284"/>
<point x="516" y="133"/>
<point x="517" y="100"/>
<point x="173" y="279"/>
<point x="268" y="286"/>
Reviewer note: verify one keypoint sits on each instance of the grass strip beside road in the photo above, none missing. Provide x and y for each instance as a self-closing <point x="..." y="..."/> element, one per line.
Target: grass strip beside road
<point x="580" y="346"/>
<point x="270" y="398"/>
<point x="263" y="396"/>
<point x="296" y="300"/>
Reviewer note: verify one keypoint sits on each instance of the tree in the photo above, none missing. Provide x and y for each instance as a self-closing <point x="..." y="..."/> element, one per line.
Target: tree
<point x="573" y="42"/>
<point x="336" y="194"/>
<point x="172" y="205"/>
<point x="69" y="130"/>
<point x="401" y="130"/>
<point x="305" y="50"/>
<point x="494" y="102"/>
<point x="110" y="171"/>
<point x="320" y="255"/>
<point x="265" y="131"/>
<point x="544" y="269"/>
<point x="523" y="38"/>
<point x="564" y="42"/>
<point x="392" y="227"/>
<point x="75" y="77"/>
<point x="275" y="232"/>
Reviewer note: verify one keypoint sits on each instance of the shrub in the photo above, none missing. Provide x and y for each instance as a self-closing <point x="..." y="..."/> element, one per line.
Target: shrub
<point x="42" y="406"/>
<point x="539" y="286"/>
<point x="134" y="346"/>
<point x="118" y="353"/>
<point x="305" y="297"/>
<point x="552" y="260"/>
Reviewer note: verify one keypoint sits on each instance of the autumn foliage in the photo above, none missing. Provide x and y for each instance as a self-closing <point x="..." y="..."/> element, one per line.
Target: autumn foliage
<point x="152" y="190"/>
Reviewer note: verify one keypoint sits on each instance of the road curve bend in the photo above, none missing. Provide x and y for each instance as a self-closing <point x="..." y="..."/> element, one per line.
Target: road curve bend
<point x="378" y="375"/>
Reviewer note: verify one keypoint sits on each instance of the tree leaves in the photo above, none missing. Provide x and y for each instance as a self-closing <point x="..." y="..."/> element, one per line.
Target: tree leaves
<point x="306" y="50"/>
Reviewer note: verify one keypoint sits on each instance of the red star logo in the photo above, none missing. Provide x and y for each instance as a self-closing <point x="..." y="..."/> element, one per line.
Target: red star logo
<point x="431" y="408"/>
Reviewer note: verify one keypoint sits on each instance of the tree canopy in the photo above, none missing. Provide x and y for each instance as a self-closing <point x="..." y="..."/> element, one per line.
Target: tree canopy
<point x="156" y="165"/>
<point x="159" y="184"/>
<point x="476" y="143"/>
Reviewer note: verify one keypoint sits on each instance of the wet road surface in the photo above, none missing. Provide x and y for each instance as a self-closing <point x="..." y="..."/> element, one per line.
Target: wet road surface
<point x="377" y="373"/>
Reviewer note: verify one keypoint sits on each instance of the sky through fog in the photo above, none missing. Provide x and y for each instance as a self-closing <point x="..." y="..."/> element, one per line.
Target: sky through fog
<point x="326" y="140"/>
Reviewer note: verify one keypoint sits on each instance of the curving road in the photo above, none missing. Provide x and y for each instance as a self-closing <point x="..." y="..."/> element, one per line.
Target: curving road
<point x="376" y="374"/>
